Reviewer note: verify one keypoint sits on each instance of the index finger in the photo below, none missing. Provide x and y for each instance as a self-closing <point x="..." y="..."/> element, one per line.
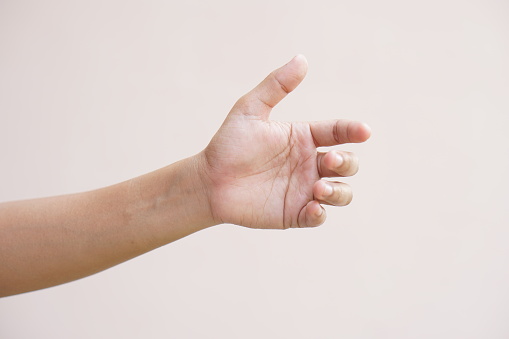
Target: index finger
<point x="335" y="132"/>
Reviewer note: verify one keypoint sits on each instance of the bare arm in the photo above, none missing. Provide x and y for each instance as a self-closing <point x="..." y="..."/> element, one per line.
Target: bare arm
<point x="255" y="172"/>
<point x="45" y="242"/>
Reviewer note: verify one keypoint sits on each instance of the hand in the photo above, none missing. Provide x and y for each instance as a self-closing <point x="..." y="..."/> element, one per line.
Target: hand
<point x="266" y="174"/>
<point x="255" y="172"/>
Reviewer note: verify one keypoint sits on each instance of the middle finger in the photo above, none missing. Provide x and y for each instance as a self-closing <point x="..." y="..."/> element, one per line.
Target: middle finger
<point x="337" y="164"/>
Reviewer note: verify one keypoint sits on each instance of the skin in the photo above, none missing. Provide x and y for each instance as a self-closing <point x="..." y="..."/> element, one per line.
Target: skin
<point x="255" y="172"/>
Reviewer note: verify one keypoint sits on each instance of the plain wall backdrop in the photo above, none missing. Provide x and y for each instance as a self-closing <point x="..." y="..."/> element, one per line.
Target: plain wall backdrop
<point x="96" y="92"/>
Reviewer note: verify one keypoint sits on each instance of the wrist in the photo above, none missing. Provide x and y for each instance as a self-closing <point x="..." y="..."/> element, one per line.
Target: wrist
<point x="197" y="188"/>
<point x="172" y="202"/>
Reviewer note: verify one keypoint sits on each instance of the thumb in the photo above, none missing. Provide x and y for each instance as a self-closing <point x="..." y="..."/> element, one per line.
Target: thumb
<point x="260" y="101"/>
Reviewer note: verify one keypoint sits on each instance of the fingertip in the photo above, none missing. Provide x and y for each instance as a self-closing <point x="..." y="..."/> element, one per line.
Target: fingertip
<point x="361" y="132"/>
<point x="298" y="68"/>
<point x="301" y="60"/>
<point x="365" y="131"/>
<point x="300" y="56"/>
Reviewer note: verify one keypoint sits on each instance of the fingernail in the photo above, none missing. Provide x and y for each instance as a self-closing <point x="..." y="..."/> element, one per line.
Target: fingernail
<point x="339" y="160"/>
<point x="328" y="190"/>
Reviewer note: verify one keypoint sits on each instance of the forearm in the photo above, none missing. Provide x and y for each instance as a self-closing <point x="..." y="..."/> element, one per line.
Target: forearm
<point x="45" y="242"/>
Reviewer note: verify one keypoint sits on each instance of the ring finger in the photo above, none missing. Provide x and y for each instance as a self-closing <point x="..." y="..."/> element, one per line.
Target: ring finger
<point x="332" y="193"/>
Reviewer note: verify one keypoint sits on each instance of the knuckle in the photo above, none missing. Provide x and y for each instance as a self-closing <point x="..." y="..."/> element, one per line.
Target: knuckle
<point x="341" y="131"/>
<point x="338" y="193"/>
<point x="348" y="197"/>
<point x="320" y="220"/>
<point x="345" y="196"/>
<point x="353" y="165"/>
<point x="336" y="133"/>
<point x="350" y="165"/>
<point x="279" y="83"/>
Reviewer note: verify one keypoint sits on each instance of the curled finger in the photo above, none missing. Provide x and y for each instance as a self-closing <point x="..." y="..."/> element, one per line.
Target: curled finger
<point x="312" y="215"/>
<point x="332" y="193"/>
<point x="337" y="164"/>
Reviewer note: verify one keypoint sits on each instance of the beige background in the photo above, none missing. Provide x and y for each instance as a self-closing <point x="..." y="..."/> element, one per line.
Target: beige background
<point x="95" y="92"/>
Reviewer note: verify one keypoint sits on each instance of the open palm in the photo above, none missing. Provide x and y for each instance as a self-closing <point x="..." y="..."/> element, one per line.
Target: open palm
<point x="267" y="174"/>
